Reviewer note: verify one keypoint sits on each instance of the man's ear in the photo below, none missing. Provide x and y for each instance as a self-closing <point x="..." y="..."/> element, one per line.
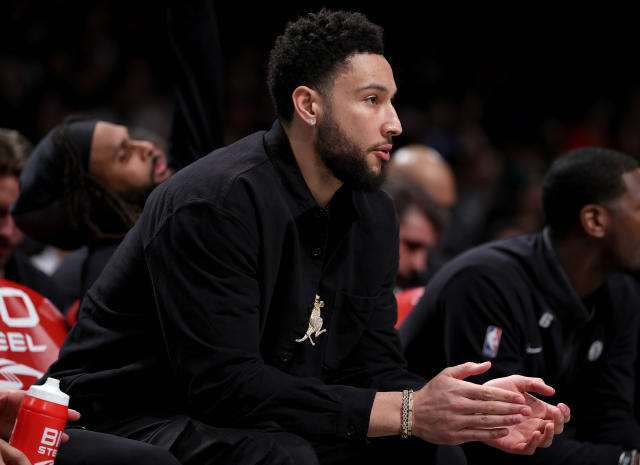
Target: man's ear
<point x="307" y="104"/>
<point x="595" y="220"/>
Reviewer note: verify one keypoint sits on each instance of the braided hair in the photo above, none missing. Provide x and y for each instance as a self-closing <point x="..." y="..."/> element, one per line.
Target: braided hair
<point x="91" y="208"/>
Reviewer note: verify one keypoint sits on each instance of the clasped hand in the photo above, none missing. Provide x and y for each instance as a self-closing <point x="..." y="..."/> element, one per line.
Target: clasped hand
<point x="500" y="413"/>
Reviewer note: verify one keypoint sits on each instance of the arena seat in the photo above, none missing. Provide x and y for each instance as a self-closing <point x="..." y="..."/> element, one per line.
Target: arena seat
<point x="71" y="315"/>
<point x="407" y="299"/>
<point x="32" y="331"/>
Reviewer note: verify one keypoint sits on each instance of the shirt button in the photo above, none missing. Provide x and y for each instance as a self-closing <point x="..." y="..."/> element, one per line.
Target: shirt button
<point x="351" y="431"/>
<point x="316" y="252"/>
<point x="321" y="213"/>
<point x="285" y="357"/>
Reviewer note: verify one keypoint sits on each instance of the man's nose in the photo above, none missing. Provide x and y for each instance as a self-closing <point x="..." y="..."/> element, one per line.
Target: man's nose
<point x="419" y="261"/>
<point x="144" y="148"/>
<point x="7" y="226"/>
<point x="392" y="127"/>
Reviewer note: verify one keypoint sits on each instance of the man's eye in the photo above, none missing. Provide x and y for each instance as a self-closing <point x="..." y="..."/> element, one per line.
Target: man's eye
<point x="371" y="99"/>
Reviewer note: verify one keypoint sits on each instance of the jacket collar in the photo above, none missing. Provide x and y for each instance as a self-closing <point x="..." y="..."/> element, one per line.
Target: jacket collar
<point x="562" y="296"/>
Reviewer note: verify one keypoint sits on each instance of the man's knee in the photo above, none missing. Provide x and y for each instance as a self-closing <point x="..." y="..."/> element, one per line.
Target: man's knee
<point x="196" y="443"/>
<point x="292" y="449"/>
<point x="450" y="455"/>
<point x="91" y="447"/>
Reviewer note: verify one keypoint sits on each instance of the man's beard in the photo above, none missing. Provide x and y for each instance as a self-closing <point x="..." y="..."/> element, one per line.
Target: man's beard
<point x="137" y="196"/>
<point x="345" y="159"/>
<point x="10" y="247"/>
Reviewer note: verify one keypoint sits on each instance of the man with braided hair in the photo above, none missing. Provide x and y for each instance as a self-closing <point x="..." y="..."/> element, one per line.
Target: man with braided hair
<point x="87" y="180"/>
<point x="86" y="184"/>
<point x="86" y="446"/>
<point x="99" y="205"/>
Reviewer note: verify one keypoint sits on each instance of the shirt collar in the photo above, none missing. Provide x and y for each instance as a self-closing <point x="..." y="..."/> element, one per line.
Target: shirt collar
<point x="299" y="198"/>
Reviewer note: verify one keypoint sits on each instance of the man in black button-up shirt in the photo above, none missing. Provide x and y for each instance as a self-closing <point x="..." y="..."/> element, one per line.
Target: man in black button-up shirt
<point x="249" y="315"/>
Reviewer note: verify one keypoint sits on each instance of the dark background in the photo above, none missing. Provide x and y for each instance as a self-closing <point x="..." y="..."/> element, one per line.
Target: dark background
<point x="499" y="93"/>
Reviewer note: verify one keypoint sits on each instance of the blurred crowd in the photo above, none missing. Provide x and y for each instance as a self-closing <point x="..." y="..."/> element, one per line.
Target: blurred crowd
<point x="486" y="108"/>
<point x="498" y="102"/>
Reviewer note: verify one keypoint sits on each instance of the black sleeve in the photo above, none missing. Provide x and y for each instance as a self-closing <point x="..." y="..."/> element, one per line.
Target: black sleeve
<point x="471" y="302"/>
<point x="442" y="330"/>
<point x="198" y="119"/>
<point x="474" y="300"/>
<point x="208" y="295"/>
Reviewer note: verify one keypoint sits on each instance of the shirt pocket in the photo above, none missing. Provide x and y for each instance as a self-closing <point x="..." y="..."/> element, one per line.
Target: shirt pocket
<point x="350" y="317"/>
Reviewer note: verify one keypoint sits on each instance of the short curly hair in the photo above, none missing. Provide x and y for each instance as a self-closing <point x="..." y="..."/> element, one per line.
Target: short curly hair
<point x="313" y="49"/>
<point x="580" y="177"/>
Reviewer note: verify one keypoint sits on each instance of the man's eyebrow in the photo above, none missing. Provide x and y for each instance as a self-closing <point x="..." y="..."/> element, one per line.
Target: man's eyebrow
<point x="379" y="87"/>
<point x="373" y="87"/>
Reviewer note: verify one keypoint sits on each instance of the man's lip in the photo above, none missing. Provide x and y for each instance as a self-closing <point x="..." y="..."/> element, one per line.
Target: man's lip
<point x="383" y="152"/>
<point x="159" y="165"/>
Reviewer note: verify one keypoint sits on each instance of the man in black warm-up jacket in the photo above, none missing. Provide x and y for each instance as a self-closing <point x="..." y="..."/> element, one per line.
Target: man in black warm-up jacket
<point x="551" y="305"/>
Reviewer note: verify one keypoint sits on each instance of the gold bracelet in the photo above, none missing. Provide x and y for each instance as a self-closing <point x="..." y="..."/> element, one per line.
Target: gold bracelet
<point x="629" y="457"/>
<point x="407" y="413"/>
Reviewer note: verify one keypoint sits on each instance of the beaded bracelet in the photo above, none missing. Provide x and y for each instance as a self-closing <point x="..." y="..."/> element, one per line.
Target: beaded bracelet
<point x="629" y="457"/>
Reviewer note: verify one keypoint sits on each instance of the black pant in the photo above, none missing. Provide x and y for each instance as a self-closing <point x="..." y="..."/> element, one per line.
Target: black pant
<point x="92" y="448"/>
<point x="195" y="443"/>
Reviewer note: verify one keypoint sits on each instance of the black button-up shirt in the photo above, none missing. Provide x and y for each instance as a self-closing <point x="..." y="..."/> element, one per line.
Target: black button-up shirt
<point x="200" y="308"/>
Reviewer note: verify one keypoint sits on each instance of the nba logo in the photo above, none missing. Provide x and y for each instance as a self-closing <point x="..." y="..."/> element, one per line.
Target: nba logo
<point x="491" y="342"/>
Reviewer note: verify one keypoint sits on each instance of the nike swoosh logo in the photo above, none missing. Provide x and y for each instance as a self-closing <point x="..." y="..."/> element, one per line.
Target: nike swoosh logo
<point x="534" y="350"/>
